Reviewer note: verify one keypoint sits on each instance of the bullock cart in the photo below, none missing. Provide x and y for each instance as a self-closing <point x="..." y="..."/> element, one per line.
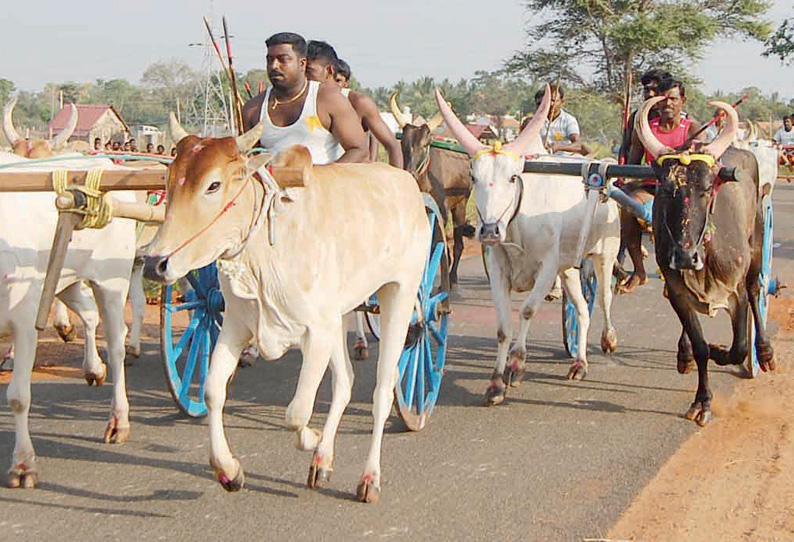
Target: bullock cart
<point x="597" y="178"/>
<point x="191" y="315"/>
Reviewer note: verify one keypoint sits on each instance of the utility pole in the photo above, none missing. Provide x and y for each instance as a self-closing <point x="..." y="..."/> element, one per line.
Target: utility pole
<point x="209" y="108"/>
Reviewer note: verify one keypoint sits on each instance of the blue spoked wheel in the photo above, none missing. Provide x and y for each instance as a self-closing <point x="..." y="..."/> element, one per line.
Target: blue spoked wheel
<point x="768" y="284"/>
<point x="190" y="320"/>
<point x="422" y="361"/>
<point x="570" y="322"/>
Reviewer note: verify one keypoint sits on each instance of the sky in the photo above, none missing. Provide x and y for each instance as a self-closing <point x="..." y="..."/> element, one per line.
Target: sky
<point x="383" y="41"/>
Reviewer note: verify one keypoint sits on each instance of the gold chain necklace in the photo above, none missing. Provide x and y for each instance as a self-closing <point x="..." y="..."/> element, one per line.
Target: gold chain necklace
<point x="277" y="103"/>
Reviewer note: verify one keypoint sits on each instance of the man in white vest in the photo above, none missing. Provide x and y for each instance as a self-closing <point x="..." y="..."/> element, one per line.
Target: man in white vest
<point x="298" y="111"/>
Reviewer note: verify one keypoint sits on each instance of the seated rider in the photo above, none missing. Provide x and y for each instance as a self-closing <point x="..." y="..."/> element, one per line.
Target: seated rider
<point x="342" y="71"/>
<point x="298" y="111"/>
<point x="321" y="66"/>
<point x="650" y="81"/>
<point x="672" y="129"/>
<point x="784" y="138"/>
<point x="560" y="132"/>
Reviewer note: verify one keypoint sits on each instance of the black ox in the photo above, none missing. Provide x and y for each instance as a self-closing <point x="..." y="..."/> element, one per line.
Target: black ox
<point x="444" y="174"/>
<point x="708" y="230"/>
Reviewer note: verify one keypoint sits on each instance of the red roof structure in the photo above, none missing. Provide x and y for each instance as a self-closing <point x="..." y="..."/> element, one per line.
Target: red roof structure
<point x="88" y="116"/>
<point x="481" y="131"/>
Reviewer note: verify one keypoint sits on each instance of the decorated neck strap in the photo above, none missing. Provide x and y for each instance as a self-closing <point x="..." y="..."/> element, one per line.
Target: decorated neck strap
<point x="686" y="159"/>
<point x="496" y="149"/>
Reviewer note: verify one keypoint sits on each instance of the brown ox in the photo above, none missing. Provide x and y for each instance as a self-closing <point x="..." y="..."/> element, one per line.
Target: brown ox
<point x="708" y="240"/>
<point x="444" y="174"/>
<point x="36" y="148"/>
<point x="290" y="267"/>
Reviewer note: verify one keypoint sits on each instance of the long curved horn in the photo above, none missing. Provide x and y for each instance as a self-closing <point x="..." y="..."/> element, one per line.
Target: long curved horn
<point x="63" y="137"/>
<point x="467" y="140"/>
<point x="177" y="132"/>
<point x="435" y="122"/>
<point x="721" y="143"/>
<point x="531" y="131"/>
<point x="753" y="131"/>
<point x="8" y="123"/>
<point x="248" y="139"/>
<point x="643" y="128"/>
<point x="395" y="110"/>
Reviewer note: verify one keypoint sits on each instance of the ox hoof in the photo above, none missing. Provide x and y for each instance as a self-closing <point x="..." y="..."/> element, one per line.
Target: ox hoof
<point x="232" y="485"/>
<point x="66" y="333"/>
<point x="577" y="371"/>
<point x="116" y="434"/>
<point x="515" y="370"/>
<point x="134" y="351"/>
<point x="92" y="379"/>
<point x="684" y="362"/>
<point x="495" y="394"/>
<point x="698" y="414"/>
<point x="367" y="491"/>
<point x="609" y="341"/>
<point x="766" y="357"/>
<point x="319" y="474"/>
<point x="360" y="350"/>
<point x="22" y="476"/>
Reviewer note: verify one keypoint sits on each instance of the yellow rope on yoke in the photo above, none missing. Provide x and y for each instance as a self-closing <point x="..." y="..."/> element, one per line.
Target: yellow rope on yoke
<point x="496" y="149"/>
<point x="98" y="211"/>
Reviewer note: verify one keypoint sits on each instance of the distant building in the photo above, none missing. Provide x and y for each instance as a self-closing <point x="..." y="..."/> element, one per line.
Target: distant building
<point x="94" y="120"/>
<point x="145" y="134"/>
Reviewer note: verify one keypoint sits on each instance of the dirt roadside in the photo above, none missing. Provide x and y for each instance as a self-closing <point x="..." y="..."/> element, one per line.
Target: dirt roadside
<point x="733" y="480"/>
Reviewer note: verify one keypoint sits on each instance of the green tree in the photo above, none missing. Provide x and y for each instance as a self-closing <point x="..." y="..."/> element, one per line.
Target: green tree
<point x="781" y="43"/>
<point x="596" y="43"/>
<point x="6" y="89"/>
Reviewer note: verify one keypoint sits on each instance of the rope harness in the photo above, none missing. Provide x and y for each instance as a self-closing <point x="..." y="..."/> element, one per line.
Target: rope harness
<point x="98" y="209"/>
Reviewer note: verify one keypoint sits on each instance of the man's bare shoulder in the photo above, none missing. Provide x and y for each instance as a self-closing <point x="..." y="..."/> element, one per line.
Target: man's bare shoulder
<point x="252" y="109"/>
<point x="328" y="91"/>
<point x="362" y="103"/>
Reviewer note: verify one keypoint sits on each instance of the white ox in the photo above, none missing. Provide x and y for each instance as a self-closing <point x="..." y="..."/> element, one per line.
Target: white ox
<point x="42" y="149"/>
<point x="291" y="266"/>
<point x="100" y="258"/>
<point x="532" y="222"/>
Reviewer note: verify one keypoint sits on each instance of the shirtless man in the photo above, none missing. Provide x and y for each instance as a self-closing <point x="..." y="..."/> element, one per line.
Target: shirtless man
<point x="672" y="129"/>
<point x="299" y="111"/>
<point x="321" y="67"/>
<point x="342" y="70"/>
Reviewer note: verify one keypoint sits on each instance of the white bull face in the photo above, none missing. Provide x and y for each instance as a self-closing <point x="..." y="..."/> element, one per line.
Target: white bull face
<point x="497" y="194"/>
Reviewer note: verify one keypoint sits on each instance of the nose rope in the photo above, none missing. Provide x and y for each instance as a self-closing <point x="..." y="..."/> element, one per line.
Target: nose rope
<point x="213" y="221"/>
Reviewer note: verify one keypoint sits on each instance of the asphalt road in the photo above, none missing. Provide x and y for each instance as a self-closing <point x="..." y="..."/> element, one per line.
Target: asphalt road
<point x="559" y="461"/>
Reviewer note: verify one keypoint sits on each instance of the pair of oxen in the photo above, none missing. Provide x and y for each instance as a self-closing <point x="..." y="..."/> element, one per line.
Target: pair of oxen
<point x="290" y="265"/>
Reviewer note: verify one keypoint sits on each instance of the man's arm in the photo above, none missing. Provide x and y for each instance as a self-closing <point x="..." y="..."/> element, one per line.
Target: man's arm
<point x="367" y="109"/>
<point x="636" y="150"/>
<point x="343" y="123"/>
<point x="625" y="144"/>
<point x="574" y="144"/>
<point x="252" y="111"/>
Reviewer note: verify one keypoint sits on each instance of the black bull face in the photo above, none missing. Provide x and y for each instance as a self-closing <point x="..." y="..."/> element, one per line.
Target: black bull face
<point x="692" y="198"/>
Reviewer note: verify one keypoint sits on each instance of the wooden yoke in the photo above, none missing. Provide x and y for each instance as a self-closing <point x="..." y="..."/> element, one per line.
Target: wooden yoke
<point x="67" y="202"/>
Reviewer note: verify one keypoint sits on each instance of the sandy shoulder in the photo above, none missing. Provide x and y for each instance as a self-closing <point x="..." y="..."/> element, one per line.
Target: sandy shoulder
<point x="733" y="480"/>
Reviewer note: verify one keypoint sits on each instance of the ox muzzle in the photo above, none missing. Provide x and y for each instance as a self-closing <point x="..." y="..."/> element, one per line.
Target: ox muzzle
<point x="490" y="234"/>
<point x="684" y="259"/>
<point x="155" y="268"/>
